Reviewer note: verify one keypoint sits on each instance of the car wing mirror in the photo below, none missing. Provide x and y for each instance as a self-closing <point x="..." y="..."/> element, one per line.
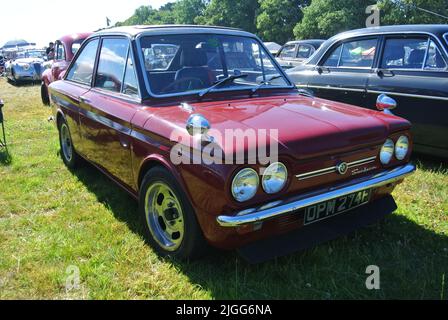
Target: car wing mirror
<point x="1" y="103"/>
<point x="386" y="103"/>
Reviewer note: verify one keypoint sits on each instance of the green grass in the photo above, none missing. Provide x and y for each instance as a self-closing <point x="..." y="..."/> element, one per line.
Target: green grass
<point x="51" y="218"/>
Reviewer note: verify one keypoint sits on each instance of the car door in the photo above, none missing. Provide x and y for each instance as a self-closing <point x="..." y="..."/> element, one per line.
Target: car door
<point x="413" y="71"/>
<point x="60" y="62"/>
<point x="287" y="56"/>
<point x="108" y="109"/>
<point x="77" y="83"/>
<point x="342" y="73"/>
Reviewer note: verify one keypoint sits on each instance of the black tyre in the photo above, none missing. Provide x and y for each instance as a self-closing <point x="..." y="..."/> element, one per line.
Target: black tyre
<point x="170" y="223"/>
<point x="68" y="153"/>
<point x="44" y="94"/>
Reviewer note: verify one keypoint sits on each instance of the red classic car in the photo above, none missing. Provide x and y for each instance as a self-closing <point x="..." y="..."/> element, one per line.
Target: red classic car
<point x="218" y="145"/>
<point x="65" y="49"/>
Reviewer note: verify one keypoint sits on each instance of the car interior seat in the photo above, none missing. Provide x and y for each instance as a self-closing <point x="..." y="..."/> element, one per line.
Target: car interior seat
<point x="194" y="65"/>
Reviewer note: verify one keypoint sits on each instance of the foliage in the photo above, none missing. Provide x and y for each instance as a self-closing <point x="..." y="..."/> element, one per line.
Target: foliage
<point x="407" y="12"/>
<point x="277" y="18"/>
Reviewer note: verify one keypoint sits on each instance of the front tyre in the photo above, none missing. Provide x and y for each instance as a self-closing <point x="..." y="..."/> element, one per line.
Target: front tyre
<point x="44" y="94"/>
<point x="68" y="153"/>
<point x="170" y="223"/>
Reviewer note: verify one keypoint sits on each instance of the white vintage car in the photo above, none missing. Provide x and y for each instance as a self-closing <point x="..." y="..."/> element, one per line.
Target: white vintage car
<point x="27" y="67"/>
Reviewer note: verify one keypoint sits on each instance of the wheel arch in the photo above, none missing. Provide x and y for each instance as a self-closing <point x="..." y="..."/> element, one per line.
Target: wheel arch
<point x="156" y="160"/>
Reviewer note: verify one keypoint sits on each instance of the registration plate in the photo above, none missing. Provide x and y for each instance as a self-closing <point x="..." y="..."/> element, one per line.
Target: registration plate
<point x="337" y="206"/>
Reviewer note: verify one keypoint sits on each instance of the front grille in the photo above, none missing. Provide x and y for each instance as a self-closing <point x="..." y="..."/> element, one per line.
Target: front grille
<point x="38" y="68"/>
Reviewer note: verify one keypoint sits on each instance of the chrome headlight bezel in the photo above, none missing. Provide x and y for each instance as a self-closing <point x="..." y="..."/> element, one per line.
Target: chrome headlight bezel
<point x="269" y="172"/>
<point x="247" y="173"/>
<point x="387" y="152"/>
<point x="402" y="148"/>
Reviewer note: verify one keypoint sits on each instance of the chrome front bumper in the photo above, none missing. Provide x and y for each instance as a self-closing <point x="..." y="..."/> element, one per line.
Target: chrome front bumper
<point x="280" y="208"/>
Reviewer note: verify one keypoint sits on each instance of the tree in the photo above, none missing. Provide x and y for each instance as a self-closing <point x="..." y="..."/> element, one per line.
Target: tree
<point x="230" y="13"/>
<point x="277" y="18"/>
<point x="186" y="11"/>
<point x="323" y="18"/>
<point x="407" y="12"/>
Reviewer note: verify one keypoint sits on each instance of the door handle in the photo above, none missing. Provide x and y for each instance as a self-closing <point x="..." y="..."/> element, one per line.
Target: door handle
<point x="384" y="73"/>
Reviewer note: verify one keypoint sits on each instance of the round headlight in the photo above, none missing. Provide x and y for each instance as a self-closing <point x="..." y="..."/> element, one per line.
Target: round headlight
<point x="245" y="185"/>
<point x="402" y="148"/>
<point x="274" y="178"/>
<point x="387" y="152"/>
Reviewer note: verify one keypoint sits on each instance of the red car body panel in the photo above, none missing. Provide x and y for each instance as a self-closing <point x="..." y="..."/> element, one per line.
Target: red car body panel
<point x="125" y="137"/>
<point x="350" y="133"/>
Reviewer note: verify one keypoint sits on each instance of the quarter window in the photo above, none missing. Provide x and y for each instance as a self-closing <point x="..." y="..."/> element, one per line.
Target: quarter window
<point x="288" y="52"/>
<point x="130" y="86"/>
<point x="435" y="59"/>
<point x="60" y="52"/>
<point x="82" y="69"/>
<point x="111" y="64"/>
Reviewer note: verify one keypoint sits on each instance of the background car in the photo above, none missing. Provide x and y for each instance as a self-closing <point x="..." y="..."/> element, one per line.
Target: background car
<point x="408" y="63"/>
<point x="27" y="66"/>
<point x="125" y="116"/>
<point x="65" y="49"/>
<point x="2" y="65"/>
<point x="294" y="53"/>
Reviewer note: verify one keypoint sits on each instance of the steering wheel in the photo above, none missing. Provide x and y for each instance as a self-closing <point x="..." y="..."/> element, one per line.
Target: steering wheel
<point x="177" y="84"/>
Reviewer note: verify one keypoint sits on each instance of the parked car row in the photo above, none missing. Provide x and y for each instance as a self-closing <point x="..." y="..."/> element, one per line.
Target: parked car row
<point x="408" y="63"/>
<point x="128" y="89"/>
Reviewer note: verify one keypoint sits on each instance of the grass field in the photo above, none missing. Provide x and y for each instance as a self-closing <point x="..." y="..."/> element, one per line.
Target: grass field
<point x="52" y="219"/>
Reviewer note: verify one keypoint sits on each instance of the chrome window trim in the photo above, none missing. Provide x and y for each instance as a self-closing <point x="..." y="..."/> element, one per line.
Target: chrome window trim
<point x="137" y="40"/>
<point x="388" y="34"/>
<point x="333" y="169"/>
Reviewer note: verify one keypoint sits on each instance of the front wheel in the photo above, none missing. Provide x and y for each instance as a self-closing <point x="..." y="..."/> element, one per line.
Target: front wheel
<point x="68" y="153"/>
<point x="170" y="222"/>
<point x="44" y="94"/>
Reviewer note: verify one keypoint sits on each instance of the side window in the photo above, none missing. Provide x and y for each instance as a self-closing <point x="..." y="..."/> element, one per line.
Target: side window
<point x="75" y="47"/>
<point x="60" y="52"/>
<point x="333" y="59"/>
<point x="82" y="69"/>
<point x="111" y="64"/>
<point x="358" y="54"/>
<point x="304" y="52"/>
<point x="288" y="51"/>
<point x="404" y="53"/>
<point x="130" y="85"/>
<point x="434" y="60"/>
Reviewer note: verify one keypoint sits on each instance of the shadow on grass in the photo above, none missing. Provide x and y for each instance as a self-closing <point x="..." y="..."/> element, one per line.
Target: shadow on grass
<point x="413" y="260"/>
<point x="5" y="157"/>
<point x="429" y="163"/>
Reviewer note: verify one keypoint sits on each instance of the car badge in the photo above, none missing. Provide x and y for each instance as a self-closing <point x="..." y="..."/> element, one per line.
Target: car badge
<point x="342" y="168"/>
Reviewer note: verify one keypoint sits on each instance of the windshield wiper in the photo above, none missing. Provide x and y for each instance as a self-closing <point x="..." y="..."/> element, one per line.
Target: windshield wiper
<point x="266" y="83"/>
<point x="222" y="82"/>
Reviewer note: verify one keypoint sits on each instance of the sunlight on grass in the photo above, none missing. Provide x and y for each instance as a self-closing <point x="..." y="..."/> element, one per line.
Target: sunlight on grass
<point x="51" y="218"/>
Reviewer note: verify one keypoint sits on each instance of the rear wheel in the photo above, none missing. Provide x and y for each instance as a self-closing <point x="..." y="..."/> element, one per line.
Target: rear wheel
<point x="170" y="222"/>
<point x="44" y="94"/>
<point x="68" y="153"/>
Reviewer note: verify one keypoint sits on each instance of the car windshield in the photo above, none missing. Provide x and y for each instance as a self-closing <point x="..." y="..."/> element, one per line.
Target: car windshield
<point x="34" y="54"/>
<point x="189" y="63"/>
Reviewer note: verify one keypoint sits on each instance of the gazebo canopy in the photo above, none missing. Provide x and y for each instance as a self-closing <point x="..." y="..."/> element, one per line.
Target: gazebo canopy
<point x="16" y="43"/>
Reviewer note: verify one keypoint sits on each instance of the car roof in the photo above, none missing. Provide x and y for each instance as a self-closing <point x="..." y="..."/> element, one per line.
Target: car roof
<point x="310" y="41"/>
<point x="134" y="31"/>
<point x="427" y="28"/>
<point x="74" y="36"/>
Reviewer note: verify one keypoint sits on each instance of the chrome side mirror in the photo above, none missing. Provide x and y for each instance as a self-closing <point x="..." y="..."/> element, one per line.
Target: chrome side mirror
<point x="386" y="103"/>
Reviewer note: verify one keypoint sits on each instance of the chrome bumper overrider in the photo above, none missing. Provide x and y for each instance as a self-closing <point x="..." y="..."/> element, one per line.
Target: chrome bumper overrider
<point x="280" y="208"/>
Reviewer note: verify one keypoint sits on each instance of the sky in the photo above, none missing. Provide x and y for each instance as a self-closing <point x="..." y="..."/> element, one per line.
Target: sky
<point x="42" y="21"/>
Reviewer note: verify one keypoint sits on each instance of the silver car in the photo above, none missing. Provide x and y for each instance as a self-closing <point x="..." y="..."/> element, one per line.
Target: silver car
<point x="27" y="67"/>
